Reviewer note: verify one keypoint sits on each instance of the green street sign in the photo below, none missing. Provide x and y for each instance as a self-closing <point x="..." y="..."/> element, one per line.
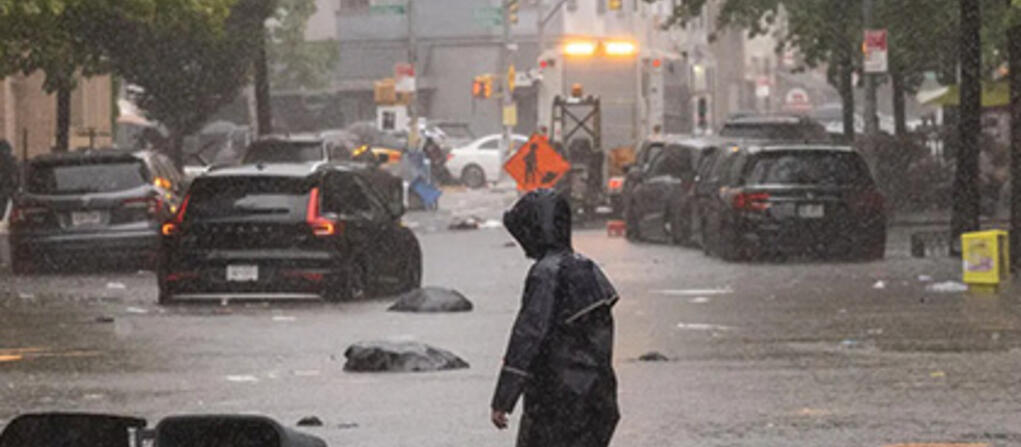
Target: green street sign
<point x="385" y="9"/>
<point x="488" y="15"/>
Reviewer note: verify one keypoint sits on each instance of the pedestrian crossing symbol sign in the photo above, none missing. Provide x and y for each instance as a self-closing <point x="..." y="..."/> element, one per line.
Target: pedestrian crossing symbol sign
<point x="536" y="164"/>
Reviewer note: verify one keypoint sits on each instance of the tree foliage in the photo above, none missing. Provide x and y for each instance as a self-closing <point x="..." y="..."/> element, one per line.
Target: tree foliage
<point x="190" y="57"/>
<point x="297" y="63"/>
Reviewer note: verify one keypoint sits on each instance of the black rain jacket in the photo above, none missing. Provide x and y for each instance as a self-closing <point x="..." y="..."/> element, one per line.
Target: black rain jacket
<point x="560" y="352"/>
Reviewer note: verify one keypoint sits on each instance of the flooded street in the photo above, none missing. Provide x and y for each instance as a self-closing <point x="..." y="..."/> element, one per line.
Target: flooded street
<point x="841" y="353"/>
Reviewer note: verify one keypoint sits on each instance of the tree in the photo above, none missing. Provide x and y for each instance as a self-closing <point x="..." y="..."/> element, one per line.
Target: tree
<point x="824" y="32"/>
<point x="42" y="35"/>
<point x="297" y="63"/>
<point x="965" y="213"/>
<point x="189" y="58"/>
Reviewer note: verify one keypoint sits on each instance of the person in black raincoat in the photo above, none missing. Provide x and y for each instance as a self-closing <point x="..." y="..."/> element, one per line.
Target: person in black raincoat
<point x="560" y="352"/>
<point x="8" y="175"/>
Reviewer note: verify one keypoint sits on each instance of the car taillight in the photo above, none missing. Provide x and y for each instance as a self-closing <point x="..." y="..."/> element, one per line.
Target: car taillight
<point x="22" y="214"/>
<point x="152" y="205"/>
<point x="172" y="227"/>
<point x="757" y="201"/>
<point x="320" y="225"/>
<point x="615" y="183"/>
<point x="870" y="200"/>
<point x="450" y="156"/>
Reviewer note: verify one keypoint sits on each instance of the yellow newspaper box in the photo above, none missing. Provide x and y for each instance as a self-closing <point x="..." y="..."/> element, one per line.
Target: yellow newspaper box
<point x="986" y="259"/>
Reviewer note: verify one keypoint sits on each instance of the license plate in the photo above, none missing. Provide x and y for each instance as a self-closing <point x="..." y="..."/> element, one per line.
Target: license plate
<point x="86" y="218"/>
<point x="242" y="273"/>
<point x="811" y="211"/>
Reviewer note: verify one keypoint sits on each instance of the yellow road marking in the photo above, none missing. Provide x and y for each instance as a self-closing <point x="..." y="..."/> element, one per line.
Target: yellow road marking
<point x="9" y="358"/>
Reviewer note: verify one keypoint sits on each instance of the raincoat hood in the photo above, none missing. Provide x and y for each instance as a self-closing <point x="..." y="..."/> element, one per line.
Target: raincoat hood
<point x="541" y="223"/>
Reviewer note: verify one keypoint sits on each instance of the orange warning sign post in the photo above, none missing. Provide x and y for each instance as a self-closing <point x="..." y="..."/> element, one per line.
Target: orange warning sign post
<point x="536" y="165"/>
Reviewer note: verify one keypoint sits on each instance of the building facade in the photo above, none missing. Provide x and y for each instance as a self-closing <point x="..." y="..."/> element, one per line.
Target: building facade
<point x="28" y="115"/>
<point x="456" y="40"/>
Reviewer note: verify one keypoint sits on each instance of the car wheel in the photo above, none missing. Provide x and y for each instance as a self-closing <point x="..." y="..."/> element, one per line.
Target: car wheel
<point x="352" y="284"/>
<point x="731" y="249"/>
<point x="473" y="177"/>
<point x="680" y="228"/>
<point x="704" y="240"/>
<point x="874" y="248"/>
<point x="21" y="265"/>
<point x="632" y="227"/>
<point x="163" y="297"/>
<point x="412" y="271"/>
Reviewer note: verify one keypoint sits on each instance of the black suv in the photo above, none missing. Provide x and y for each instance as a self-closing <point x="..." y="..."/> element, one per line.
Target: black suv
<point x="93" y="204"/>
<point x="659" y="190"/>
<point x="785" y="199"/>
<point x="287" y="231"/>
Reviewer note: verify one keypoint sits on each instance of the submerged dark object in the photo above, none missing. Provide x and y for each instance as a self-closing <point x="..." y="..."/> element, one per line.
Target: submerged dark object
<point x="431" y="299"/>
<point x="390" y="356"/>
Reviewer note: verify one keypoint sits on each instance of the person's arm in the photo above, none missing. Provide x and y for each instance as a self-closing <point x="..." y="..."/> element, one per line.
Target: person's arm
<point x="530" y="330"/>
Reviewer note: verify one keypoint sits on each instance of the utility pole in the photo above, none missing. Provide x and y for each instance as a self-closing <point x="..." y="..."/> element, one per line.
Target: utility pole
<point x="1014" y="78"/>
<point x="965" y="215"/>
<point x="507" y="97"/>
<point x="871" y="119"/>
<point x="413" y="136"/>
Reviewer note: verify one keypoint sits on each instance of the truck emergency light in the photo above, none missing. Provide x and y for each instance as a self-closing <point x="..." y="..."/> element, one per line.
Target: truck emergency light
<point x="580" y="48"/>
<point x="619" y="48"/>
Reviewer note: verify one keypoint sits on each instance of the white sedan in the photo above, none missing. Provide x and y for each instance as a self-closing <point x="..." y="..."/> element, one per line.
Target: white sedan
<point x="479" y="161"/>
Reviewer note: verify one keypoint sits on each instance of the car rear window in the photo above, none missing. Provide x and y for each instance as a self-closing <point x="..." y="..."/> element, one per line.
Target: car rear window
<point x="86" y="177"/>
<point x="277" y="198"/>
<point x="774" y="131"/>
<point x="807" y="167"/>
<point x="284" y="152"/>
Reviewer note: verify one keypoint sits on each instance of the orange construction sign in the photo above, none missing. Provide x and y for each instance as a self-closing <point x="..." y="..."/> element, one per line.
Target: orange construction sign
<point x="536" y="165"/>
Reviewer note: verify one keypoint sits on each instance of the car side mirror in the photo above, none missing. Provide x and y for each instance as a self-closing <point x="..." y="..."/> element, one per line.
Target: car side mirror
<point x="383" y="158"/>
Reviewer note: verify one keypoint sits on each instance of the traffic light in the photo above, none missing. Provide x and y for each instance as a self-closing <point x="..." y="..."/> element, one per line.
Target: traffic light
<point x="482" y="86"/>
<point x="487" y="86"/>
<point x="477" y="87"/>
<point x="614" y="5"/>
<point x="512" y="11"/>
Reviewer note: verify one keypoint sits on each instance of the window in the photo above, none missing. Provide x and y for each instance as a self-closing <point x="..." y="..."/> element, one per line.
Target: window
<point x="95" y="176"/>
<point x="346" y="197"/>
<point x="807" y="168"/>
<point x="257" y="197"/>
<point x="675" y="162"/>
<point x="491" y="144"/>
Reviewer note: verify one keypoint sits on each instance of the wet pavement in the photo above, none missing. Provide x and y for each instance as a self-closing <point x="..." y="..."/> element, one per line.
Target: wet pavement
<point x="802" y="353"/>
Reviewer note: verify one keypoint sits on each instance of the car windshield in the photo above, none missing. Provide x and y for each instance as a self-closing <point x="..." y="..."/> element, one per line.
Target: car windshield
<point x="278" y="198"/>
<point x="86" y="177"/>
<point x="284" y="152"/>
<point x="807" y="167"/>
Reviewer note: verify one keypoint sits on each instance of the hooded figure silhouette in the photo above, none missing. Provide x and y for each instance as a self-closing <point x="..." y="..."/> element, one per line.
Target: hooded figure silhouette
<point x="560" y="354"/>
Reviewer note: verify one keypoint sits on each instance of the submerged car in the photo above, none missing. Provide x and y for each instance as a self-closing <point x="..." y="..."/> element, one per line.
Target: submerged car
<point x="94" y="204"/>
<point x="287" y="231"/>
<point x="788" y="199"/>
<point x="658" y="195"/>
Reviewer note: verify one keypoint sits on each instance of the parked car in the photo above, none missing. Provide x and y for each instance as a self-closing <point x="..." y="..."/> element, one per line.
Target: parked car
<point x="289" y="149"/>
<point x="96" y="204"/>
<point x="659" y="198"/>
<point x="786" y="199"/>
<point x="287" y="231"/>
<point x="479" y="162"/>
<point x="775" y="128"/>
